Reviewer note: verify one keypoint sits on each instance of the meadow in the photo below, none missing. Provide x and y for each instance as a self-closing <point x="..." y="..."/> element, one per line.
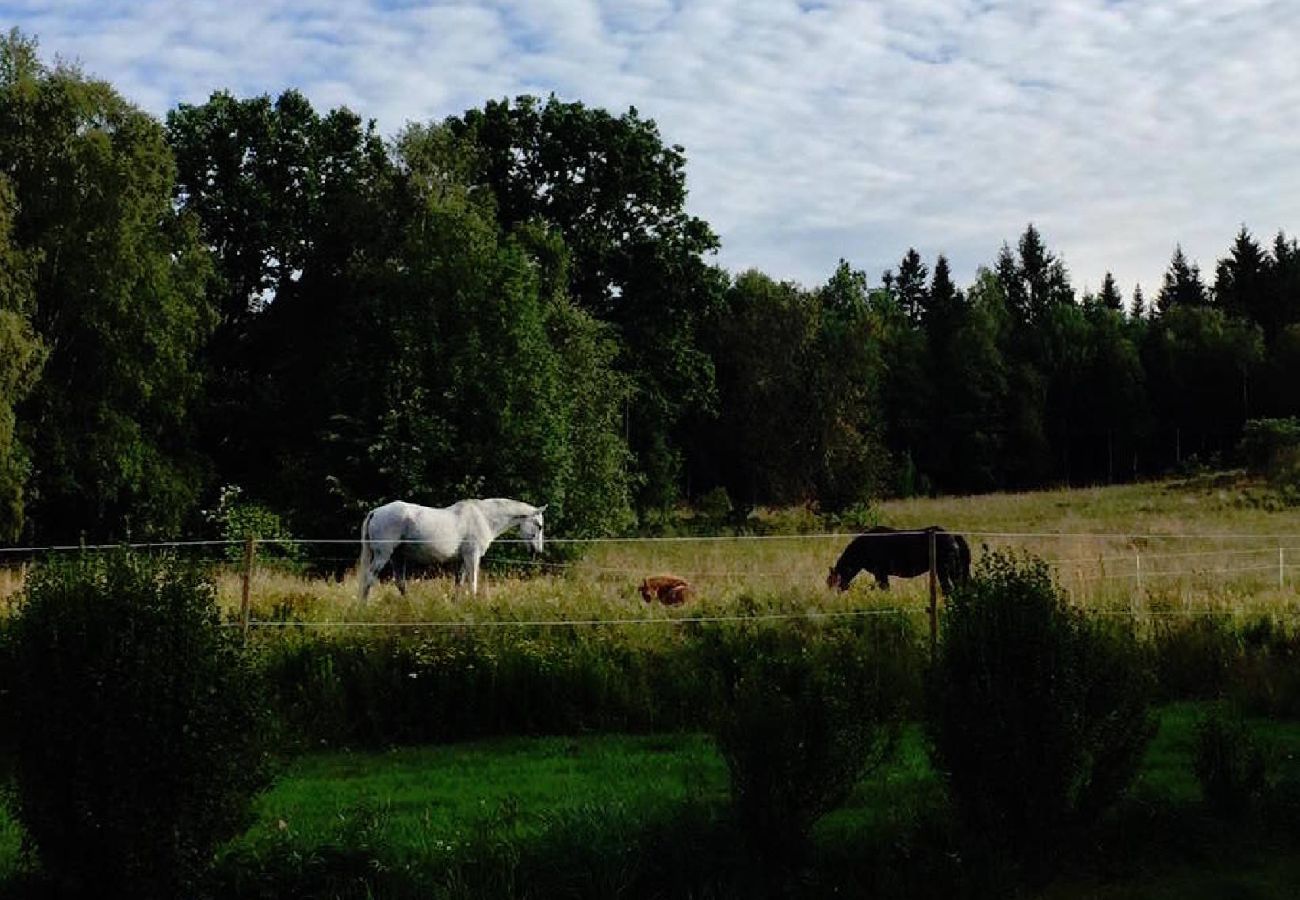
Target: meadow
<point x="1219" y="543"/>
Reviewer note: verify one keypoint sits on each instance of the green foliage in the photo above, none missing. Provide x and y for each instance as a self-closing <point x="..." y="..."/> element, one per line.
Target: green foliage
<point x="800" y="714"/>
<point x="453" y="684"/>
<point x="1182" y="286"/>
<point x="139" y="727"/>
<point x="1265" y="676"/>
<point x="236" y="520"/>
<point x="1229" y="764"/>
<point x="436" y="357"/>
<point x="1199" y="363"/>
<point x="515" y="301"/>
<point x="616" y="195"/>
<point x="1038" y="717"/>
<point x="21" y="357"/>
<point x="1272" y="447"/>
<point x="798" y="376"/>
<point x="117" y="299"/>
<point x="1194" y="657"/>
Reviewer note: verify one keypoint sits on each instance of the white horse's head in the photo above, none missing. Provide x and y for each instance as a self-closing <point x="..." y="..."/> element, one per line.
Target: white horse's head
<point x="530" y="529"/>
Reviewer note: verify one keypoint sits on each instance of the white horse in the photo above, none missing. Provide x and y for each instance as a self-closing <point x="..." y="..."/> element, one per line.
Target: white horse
<point x="427" y="535"/>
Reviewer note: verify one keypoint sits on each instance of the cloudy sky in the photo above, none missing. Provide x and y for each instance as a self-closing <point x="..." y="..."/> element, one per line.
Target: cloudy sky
<point x="814" y="130"/>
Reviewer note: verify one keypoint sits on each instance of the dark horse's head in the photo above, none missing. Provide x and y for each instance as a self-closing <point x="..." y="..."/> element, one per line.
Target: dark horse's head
<point x="861" y="553"/>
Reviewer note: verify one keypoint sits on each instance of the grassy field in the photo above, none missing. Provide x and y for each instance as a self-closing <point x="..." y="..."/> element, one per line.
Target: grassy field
<point x="1213" y="543"/>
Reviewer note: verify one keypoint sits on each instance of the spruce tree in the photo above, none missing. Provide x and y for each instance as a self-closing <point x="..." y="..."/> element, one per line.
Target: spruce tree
<point x="1139" y="307"/>
<point x="1110" y="296"/>
<point x="1182" y="284"/>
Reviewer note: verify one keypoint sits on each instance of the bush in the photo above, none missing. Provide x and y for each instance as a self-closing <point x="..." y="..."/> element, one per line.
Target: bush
<point x="1265" y="680"/>
<point x="458" y="683"/>
<point x="1267" y="444"/>
<point x="1229" y="764"/>
<point x="800" y="714"/>
<point x="235" y="519"/>
<point x="139" y="733"/>
<point x="1271" y="447"/>
<point x="1037" y="718"/>
<point x="1194" y="658"/>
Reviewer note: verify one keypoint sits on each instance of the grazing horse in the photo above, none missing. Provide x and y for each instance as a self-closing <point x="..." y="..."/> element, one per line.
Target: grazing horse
<point x="423" y="534"/>
<point x="667" y="589"/>
<point x="884" y="551"/>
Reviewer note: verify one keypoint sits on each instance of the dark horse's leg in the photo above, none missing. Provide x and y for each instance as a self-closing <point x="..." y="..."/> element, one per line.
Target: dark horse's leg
<point x="882" y="579"/>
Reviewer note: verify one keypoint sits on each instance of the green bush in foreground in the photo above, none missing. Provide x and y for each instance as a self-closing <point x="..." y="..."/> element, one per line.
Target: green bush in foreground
<point x="800" y="714"/>
<point x="1038" y="717"/>
<point x="139" y="731"/>
<point x="1229" y="764"/>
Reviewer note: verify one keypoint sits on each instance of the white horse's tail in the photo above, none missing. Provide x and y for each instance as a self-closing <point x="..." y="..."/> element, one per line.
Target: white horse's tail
<point x="367" y="556"/>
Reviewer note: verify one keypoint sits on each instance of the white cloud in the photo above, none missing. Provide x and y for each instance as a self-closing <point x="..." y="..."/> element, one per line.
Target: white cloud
<point x="814" y="131"/>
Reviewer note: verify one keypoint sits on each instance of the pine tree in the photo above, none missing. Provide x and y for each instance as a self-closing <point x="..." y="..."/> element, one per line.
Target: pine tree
<point x="944" y="309"/>
<point x="1182" y="285"/>
<point x="1245" y="285"/>
<point x="1286" y="273"/>
<point x="909" y="286"/>
<point x="1110" y="296"/>
<point x="1139" y="307"/>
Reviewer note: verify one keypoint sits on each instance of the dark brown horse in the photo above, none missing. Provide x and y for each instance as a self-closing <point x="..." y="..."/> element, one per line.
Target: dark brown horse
<point x="884" y="551"/>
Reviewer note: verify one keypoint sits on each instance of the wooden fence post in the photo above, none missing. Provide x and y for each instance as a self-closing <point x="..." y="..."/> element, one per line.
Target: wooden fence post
<point x="249" y="544"/>
<point x="934" y="595"/>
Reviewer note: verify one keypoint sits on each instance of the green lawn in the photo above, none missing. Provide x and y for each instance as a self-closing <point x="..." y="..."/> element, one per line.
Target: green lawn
<point x="421" y="804"/>
<point x="424" y="798"/>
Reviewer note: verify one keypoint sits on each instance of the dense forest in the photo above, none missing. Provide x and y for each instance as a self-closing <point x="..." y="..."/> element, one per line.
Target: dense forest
<point x="515" y="302"/>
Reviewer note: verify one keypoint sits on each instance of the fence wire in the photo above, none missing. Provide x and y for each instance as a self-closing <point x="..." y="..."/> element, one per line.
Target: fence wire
<point x="1076" y="569"/>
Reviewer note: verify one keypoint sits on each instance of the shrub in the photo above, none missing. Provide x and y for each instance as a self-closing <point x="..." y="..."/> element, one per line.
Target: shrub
<point x="1267" y="444"/>
<point x="1271" y="447"/>
<point x="1229" y="764"/>
<point x="236" y="519"/>
<point x="139" y="734"/>
<point x="1037" y="718"/>
<point x="1195" y="657"/>
<point x="800" y="714"/>
<point x="1265" y="680"/>
<point x="456" y="683"/>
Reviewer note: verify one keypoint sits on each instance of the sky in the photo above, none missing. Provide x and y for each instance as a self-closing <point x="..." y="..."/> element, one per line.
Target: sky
<point x="814" y="131"/>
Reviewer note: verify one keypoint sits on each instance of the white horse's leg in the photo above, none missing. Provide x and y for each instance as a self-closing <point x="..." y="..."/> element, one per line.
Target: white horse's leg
<point x="380" y="553"/>
<point x="469" y="559"/>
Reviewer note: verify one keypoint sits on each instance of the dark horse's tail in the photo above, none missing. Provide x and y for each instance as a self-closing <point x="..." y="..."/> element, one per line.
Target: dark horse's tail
<point x="963" y="557"/>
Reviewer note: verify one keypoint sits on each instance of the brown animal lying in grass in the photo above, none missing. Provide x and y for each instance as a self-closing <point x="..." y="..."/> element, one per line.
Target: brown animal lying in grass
<point x="667" y="589"/>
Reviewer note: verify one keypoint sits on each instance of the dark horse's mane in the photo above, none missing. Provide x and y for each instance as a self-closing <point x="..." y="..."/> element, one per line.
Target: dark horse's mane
<point x="885" y="551"/>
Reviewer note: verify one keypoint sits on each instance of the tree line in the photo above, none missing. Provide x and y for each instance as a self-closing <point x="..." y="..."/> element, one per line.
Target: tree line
<point x="515" y="302"/>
